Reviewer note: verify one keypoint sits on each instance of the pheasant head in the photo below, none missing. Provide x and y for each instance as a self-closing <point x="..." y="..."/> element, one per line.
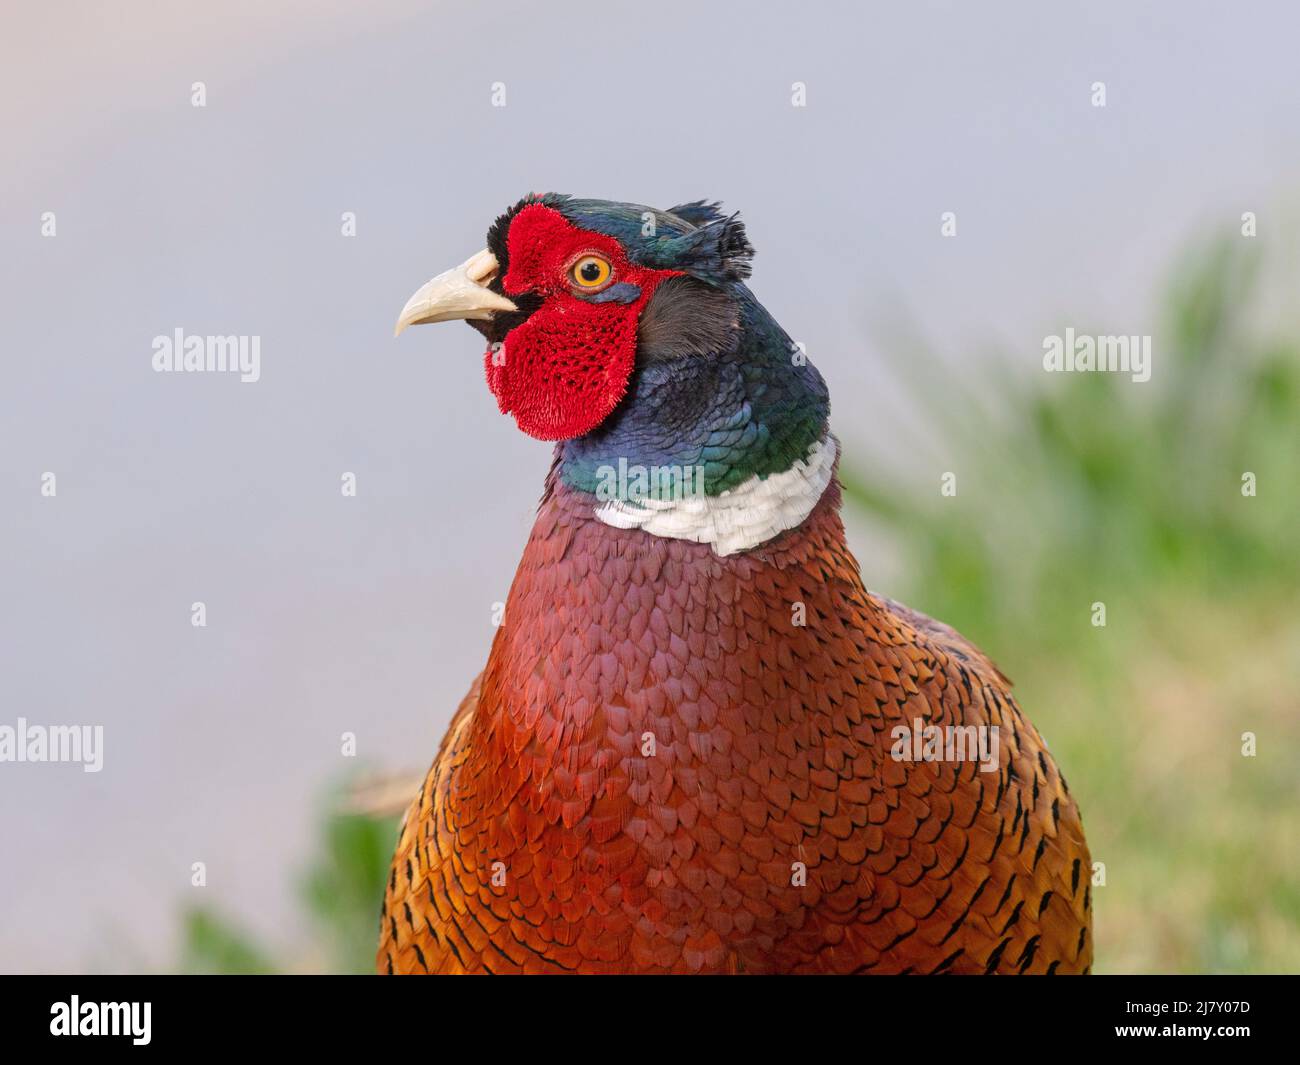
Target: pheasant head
<point x="629" y="334"/>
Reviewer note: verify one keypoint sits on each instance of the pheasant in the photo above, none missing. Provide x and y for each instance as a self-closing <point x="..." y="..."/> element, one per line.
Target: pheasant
<point x="700" y="745"/>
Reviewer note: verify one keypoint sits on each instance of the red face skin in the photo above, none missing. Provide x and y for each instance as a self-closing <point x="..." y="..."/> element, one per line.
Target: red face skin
<point x="564" y="370"/>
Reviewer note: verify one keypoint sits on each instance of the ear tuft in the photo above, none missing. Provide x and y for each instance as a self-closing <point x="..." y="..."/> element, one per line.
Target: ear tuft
<point x="717" y="252"/>
<point x="699" y="212"/>
<point x="734" y="247"/>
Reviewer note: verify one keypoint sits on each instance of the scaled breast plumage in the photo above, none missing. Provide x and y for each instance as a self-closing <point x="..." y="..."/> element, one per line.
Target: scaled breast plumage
<point x="679" y="762"/>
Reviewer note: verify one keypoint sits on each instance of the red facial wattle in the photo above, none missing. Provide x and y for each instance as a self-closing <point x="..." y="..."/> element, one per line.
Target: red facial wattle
<point x="564" y="369"/>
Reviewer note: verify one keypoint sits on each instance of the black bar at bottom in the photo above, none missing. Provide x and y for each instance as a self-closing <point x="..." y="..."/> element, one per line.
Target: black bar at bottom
<point x="335" y="1014"/>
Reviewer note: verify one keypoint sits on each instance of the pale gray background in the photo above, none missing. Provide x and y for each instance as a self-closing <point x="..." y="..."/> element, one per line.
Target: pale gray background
<point x="372" y="615"/>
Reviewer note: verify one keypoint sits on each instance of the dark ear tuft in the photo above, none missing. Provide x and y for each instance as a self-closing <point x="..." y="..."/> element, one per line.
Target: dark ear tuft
<point x="734" y="246"/>
<point x="717" y="252"/>
<point x="699" y="212"/>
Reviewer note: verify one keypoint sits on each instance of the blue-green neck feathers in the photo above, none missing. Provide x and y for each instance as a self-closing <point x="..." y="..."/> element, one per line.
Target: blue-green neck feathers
<point x="753" y="408"/>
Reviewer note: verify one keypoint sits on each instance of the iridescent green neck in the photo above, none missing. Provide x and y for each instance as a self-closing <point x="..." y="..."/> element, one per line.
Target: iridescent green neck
<point x="706" y="424"/>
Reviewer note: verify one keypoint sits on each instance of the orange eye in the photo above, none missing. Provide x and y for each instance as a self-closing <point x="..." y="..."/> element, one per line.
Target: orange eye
<point x="590" y="272"/>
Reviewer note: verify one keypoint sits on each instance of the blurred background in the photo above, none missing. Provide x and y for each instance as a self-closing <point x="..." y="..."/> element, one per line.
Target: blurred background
<point x="370" y="615"/>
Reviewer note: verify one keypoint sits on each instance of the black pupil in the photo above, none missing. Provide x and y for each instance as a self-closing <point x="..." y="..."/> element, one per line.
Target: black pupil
<point x="590" y="271"/>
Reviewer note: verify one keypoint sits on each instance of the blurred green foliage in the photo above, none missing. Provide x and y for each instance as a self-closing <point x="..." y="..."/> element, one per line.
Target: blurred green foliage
<point x="213" y="945"/>
<point x="1084" y="488"/>
<point x="1090" y="486"/>
<point x="340" y="892"/>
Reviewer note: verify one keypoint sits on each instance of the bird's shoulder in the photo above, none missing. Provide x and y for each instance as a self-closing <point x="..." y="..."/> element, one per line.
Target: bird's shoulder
<point x="945" y="638"/>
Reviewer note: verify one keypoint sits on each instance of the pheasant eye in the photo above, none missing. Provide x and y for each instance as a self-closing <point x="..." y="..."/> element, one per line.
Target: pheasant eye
<point x="590" y="272"/>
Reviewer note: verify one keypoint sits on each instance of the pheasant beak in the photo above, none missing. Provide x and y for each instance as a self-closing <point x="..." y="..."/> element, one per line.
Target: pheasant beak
<point x="458" y="293"/>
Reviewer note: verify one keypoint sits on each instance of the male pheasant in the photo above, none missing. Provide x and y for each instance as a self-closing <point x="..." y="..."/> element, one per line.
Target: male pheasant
<point x="700" y="745"/>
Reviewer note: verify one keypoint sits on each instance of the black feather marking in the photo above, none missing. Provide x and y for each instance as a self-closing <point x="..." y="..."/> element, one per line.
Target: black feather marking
<point x="1026" y="958"/>
<point x="1006" y="894"/>
<point x="966" y="912"/>
<point x="947" y="961"/>
<point x="1002" y="828"/>
<point x="996" y="956"/>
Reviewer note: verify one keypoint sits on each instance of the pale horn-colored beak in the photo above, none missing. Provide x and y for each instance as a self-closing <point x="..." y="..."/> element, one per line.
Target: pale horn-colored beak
<point x="459" y="293"/>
